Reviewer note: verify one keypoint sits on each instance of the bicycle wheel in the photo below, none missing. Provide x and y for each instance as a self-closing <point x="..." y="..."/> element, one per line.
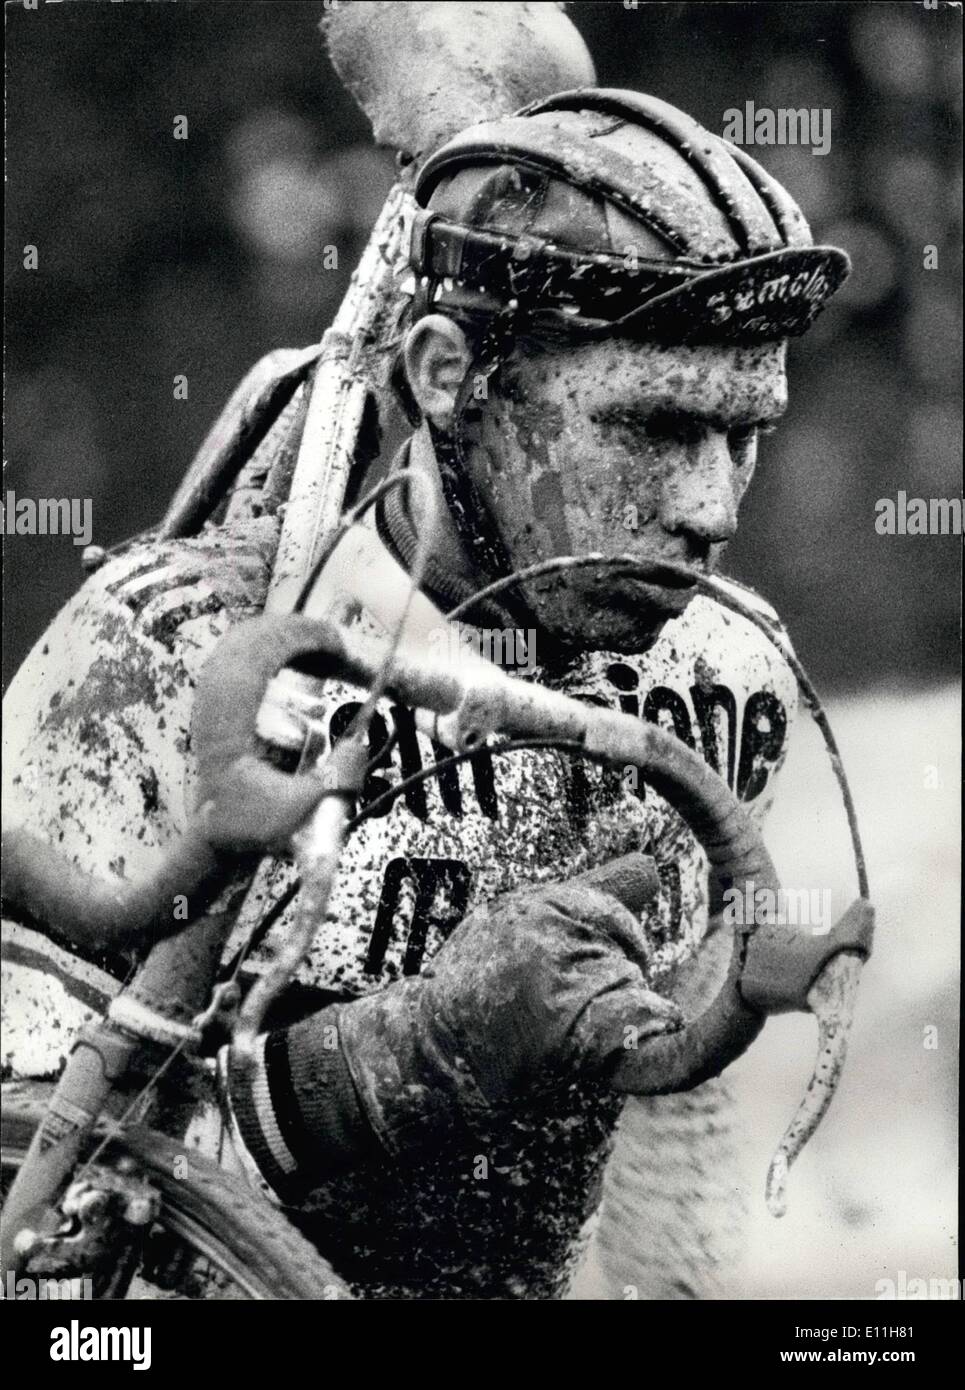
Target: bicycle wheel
<point x="213" y="1237"/>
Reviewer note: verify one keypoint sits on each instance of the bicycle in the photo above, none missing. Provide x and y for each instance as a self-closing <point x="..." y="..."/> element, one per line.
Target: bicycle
<point x="96" y="1191"/>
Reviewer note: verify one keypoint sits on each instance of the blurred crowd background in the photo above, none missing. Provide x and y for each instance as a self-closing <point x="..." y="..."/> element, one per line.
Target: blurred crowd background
<point x="160" y="257"/>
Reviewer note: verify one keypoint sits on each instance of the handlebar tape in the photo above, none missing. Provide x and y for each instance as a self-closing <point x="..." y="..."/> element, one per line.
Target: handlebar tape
<point x="75" y="908"/>
<point x="782" y="963"/>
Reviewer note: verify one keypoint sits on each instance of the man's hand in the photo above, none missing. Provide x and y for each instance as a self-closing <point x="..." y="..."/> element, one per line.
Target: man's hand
<point x="550" y="983"/>
<point x="540" y="988"/>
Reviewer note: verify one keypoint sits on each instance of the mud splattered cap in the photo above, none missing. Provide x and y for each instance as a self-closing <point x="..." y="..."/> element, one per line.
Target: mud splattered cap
<point x="600" y="212"/>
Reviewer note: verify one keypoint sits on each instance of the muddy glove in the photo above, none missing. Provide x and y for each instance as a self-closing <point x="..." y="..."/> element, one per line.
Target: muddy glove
<point x="536" y="990"/>
<point x="533" y="991"/>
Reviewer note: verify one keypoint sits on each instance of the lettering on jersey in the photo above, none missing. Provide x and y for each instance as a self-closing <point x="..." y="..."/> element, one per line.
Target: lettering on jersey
<point x="708" y="700"/>
<point x="626" y="680"/>
<point x="438" y="895"/>
<point x="422" y="900"/>
<point x="762" y="738"/>
<point x="763" y="727"/>
<point x="403" y="749"/>
<point x="661" y="698"/>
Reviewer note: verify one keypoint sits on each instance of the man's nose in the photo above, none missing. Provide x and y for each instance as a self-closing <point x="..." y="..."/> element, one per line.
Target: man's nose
<point x="699" y="498"/>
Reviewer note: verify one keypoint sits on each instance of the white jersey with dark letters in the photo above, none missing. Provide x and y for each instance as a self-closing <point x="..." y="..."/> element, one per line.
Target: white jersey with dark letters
<point x="98" y="761"/>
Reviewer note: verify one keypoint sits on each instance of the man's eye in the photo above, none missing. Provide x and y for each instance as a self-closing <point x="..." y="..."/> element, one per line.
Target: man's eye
<point x="666" y="426"/>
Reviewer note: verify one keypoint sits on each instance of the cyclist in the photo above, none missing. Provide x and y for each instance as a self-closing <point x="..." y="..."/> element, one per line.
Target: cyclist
<point x="602" y="297"/>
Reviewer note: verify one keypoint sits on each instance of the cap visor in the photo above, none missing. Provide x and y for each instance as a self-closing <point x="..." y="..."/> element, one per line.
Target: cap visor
<point x="777" y="295"/>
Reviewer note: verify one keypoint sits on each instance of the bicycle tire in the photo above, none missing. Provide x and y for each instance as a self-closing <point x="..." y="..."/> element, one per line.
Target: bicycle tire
<point x="212" y="1211"/>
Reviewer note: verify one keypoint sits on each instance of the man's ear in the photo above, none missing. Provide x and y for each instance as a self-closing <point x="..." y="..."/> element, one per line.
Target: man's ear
<point x="437" y="358"/>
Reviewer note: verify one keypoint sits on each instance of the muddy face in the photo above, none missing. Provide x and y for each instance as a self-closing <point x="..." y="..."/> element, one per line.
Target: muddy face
<point x="621" y="447"/>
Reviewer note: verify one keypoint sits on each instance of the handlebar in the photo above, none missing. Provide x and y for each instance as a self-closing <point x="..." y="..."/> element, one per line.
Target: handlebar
<point x="460" y="702"/>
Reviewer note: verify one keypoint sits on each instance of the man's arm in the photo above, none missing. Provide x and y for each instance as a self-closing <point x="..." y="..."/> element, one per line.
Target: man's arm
<point x="97" y="763"/>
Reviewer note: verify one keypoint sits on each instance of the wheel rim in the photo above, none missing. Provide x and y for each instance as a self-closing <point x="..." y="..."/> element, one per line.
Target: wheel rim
<point x="201" y="1242"/>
